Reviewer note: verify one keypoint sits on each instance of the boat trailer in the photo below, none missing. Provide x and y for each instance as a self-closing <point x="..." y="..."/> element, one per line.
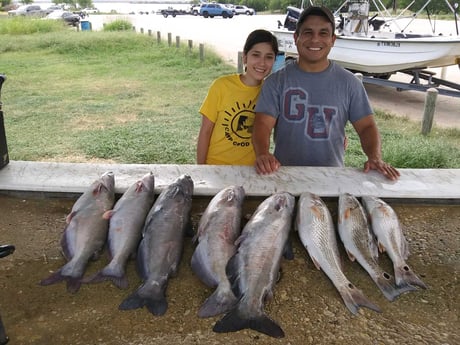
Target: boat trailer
<point x="444" y="87"/>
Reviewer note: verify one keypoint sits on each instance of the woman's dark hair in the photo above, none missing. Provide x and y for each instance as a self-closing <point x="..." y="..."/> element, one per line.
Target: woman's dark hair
<point x="260" y="36"/>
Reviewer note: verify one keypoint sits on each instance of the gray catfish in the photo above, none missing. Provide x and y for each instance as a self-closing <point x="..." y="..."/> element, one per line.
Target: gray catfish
<point x="160" y="249"/>
<point x="86" y="231"/>
<point x="386" y="227"/>
<point x="125" y="229"/>
<point x="316" y="231"/>
<point x="360" y="244"/>
<point x="254" y="269"/>
<point x="219" y="227"/>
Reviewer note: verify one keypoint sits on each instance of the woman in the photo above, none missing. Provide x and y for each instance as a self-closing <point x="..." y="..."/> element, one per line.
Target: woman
<point x="228" y="110"/>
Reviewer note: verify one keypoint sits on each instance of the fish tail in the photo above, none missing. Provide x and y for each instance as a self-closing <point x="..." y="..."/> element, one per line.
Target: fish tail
<point x="354" y="298"/>
<point x="387" y="285"/>
<point x="117" y="277"/>
<point x="54" y="278"/>
<point x="234" y="321"/>
<point x="73" y="284"/>
<point x="218" y="303"/>
<point x="155" y="303"/>
<point x="404" y="275"/>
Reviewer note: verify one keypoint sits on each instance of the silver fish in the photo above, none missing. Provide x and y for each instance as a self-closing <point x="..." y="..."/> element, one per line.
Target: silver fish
<point x="386" y="227"/>
<point x="254" y="269"/>
<point x="218" y="229"/>
<point x="86" y="232"/>
<point x="316" y="231"/>
<point x="160" y="249"/>
<point x="360" y="244"/>
<point x="125" y="229"/>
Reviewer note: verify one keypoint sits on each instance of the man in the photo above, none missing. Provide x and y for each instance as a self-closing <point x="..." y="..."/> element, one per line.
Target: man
<point x="309" y="103"/>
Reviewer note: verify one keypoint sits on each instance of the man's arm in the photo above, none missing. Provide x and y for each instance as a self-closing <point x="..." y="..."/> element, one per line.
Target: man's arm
<point x="266" y="163"/>
<point x="370" y="142"/>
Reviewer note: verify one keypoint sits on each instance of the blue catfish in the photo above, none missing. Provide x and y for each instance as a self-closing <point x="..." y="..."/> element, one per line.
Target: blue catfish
<point x="160" y="249"/>
<point x="254" y="269"/>
<point x="125" y="230"/>
<point x="218" y="229"/>
<point x="86" y="232"/>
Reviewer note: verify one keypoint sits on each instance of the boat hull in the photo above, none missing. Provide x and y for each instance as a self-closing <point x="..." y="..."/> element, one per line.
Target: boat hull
<point x="376" y="56"/>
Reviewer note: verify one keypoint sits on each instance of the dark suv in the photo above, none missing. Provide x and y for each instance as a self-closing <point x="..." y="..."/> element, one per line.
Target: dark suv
<point x="212" y="10"/>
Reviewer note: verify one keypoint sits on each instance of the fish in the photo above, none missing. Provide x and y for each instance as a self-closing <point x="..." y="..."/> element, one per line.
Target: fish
<point x="161" y="246"/>
<point x="360" y="245"/>
<point x="85" y="233"/>
<point x="218" y="230"/>
<point x="317" y="233"/>
<point x="125" y="230"/>
<point x="386" y="227"/>
<point x="253" y="270"/>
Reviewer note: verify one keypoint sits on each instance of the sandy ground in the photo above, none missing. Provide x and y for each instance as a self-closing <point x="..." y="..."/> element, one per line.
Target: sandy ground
<point x="227" y="36"/>
<point x="305" y="304"/>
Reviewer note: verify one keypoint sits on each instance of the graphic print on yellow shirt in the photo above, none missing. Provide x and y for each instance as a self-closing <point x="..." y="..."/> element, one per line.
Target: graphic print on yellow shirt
<point x="230" y="106"/>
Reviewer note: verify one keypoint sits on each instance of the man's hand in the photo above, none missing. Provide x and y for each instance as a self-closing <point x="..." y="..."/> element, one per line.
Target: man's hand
<point x="386" y="169"/>
<point x="266" y="164"/>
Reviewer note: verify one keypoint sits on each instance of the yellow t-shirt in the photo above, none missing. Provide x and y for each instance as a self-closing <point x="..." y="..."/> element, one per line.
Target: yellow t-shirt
<point x="230" y="106"/>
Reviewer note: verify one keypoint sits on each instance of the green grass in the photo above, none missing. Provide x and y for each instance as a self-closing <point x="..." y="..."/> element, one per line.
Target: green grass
<point x="118" y="96"/>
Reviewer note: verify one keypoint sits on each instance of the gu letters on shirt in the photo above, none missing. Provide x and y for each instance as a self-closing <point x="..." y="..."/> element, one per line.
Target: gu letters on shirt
<point x="318" y="117"/>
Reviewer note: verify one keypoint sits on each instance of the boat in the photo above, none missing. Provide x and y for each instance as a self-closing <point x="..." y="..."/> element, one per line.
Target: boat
<point x="380" y="46"/>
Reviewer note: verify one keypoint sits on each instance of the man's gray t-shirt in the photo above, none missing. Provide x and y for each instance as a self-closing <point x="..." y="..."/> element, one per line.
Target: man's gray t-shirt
<point x="312" y="110"/>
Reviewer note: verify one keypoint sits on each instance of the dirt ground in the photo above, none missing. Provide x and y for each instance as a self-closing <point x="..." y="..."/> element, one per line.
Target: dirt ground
<point x="305" y="304"/>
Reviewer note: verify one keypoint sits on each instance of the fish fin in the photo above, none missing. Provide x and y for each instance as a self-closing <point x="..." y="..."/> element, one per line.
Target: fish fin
<point x="350" y="255"/>
<point x="157" y="307"/>
<point x="108" y="214"/>
<point x="133" y="301"/>
<point x="288" y="252"/>
<point x="354" y="298"/>
<point x="201" y="269"/>
<point x="218" y="303"/>
<point x="156" y="303"/>
<point x="117" y="278"/>
<point x="233" y="322"/>
<point x="317" y="211"/>
<point x="382" y="248"/>
<point x="404" y="248"/>
<point x="404" y="275"/>
<point x="69" y="217"/>
<point x="139" y="186"/>
<point x="232" y="271"/>
<point x="73" y="284"/>
<point x="316" y="263"/>
<point x="189" y="232"/>
<point x="54" y="278"/>
<point x="387" y="286"/>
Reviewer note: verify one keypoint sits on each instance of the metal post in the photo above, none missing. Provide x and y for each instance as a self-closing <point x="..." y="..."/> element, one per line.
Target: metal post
<point x="4" y="159"/>
<point x="169" y="39"/>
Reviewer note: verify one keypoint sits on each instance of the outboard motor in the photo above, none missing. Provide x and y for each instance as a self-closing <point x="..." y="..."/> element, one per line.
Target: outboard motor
<point x="4" y="251"/>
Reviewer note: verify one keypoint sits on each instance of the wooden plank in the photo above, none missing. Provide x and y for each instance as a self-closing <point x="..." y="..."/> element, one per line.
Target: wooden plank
<point x="208" y="179"/>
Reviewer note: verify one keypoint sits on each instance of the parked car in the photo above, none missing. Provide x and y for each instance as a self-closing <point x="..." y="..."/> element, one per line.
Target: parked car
<point x="90" y="10"/>
<point x="68" y="17"/>
<point x="28" y="10"/>
<point x="241" y="9"/>
<point x="213" y="10"/>
<point x="195" y="10"/>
